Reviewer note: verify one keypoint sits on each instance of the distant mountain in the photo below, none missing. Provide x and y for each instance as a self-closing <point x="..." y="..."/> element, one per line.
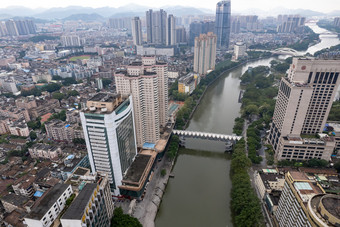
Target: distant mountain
<point x="181" y="10"/>
<point x="334" y="13"/>
<point x="84" y="17"/>
<point x="277" y="11"/>
<point x="20" y="11"/>
<point x="5" y="16"/>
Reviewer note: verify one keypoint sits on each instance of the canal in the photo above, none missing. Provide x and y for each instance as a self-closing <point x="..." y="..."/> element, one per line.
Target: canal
<point x="199" y="195"/>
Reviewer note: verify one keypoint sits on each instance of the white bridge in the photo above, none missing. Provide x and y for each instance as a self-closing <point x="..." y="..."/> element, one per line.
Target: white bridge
<point x="206" y="135"/>
<point x="286" y="51"/>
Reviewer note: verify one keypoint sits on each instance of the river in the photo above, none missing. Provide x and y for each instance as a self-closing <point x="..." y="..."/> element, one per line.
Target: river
<point x="199" y="195"/>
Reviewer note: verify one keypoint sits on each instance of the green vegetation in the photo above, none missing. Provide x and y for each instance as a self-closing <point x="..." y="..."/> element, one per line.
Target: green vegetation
<point x="173" y="147"/>
<point x="334" y="113"/>
<point x="254" y="141"/>
<point x="183" y="114"/>
<point x="238" y="127"/>
<point x="51" y="87"/>
<point x="40" y="38"/>
<point x="270" y="155"/>
<point x="328" y="25"/>
<point x="258" y="54"/>
<point x="337" y="166"/>
<point x="61" y="116"/>
<point x="35" y="92"/>
<point x="280" y="67"/>
<point x="333" y="48"/>
<point x="70" y="199"/>
<point x="35" y="124"/>
<point x="163" y="172"/>
<point x="79" y="141"/>
<point x="57" y="95"/>
<point x="106" y="82"/>
<point x="245" y="205"/>
<point x="68" y="81"/>
<point x="310" y="163"/>
<point x="123" y="220"/>
<point x="304" y="43"/>
<point x="81" y="57"/>
<point x="33" y="135"/>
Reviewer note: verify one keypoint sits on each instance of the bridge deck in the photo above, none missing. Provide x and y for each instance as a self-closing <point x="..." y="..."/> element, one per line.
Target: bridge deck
<point x="206" y="135"/>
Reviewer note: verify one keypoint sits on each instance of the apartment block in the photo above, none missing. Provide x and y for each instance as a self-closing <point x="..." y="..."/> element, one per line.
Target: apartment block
<point x="44" y="151"/>
<point x="46" y="211"/>
<point x="205" y="53"/>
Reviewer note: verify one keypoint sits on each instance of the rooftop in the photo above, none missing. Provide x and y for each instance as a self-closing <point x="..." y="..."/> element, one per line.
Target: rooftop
<point x="137" y="168"/>
<point x="47" y="201"/>
<point x="103" y="97"/>
<point x="76" y="210"/>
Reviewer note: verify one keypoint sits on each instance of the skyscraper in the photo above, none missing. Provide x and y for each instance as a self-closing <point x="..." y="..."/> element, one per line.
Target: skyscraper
<point x="171" y="30"/>
<point x="156" y="27"/>
<point x="109" y="133"/>
<point x="136" y="31"/>
<point x="303" y="103"/>
<point x="146" y="81"/>
<point x="197" y="28"/>
<point x="205" y="53"/>
<point x="11" y="28"/>
<point x="222" y="23"/>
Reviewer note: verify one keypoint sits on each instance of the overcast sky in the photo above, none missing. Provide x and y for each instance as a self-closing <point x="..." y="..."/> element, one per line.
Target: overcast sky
<point x="238" y="5"/>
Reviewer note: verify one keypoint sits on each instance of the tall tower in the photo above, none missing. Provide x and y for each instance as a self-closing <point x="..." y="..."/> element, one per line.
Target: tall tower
<point x="303" y="103"/>
<point x="136" y="31"/>
<point x="12" y="28"/>
<point x="156" y="27"/>
<point x="108" y="126"/>
<point x="222" y="23"/>
<point x="171" y="30"/>
<point x="205" y="53"/>
<point x="146" y="81"/>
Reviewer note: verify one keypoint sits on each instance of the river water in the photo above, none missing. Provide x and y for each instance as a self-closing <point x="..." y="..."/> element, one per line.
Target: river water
<point x="199" y="195"/>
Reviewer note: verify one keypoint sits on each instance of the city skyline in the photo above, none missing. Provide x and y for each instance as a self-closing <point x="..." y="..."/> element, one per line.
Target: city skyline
<point x="265" y="5"/>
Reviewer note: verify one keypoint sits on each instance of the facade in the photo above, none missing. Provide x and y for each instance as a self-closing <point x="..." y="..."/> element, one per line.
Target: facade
<point x="49" y="207"/>
<point x="156" y="27"/>
<point x="147" y="82"/>
<point x="222" y="23"/>
<point x="93" y="205"/>
<point x="336" y="21"/>
<point x="108" y="126"/>
<point x="303" y="104"/>
<point x="58" y="130"/>
<point x="290" y="23"/>
<point x="136" y="26"/>
<point x="70" y="40"/>
<point x="198" y="28"/>
<point x="150" y="50"/>
<point x="171" y="31"/>
<point x="239" y="50"/>
<point x="267" y="181"/>
<point x="301" y="203"/>
<point x="19" y="128"/>
<point x="44" y="151"/>
<point x="188" y="83"/>
<point x="205" y="53"/>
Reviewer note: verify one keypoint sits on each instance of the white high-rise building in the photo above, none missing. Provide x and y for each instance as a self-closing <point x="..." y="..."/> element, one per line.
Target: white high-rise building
<point x="156" y="27"/>
<point x="239" y="50"/>
<point x="136" y="31"/>
<point x="205" y="53"/>
<point x="109" y="133"/>
<point x="70" y="40"/>
<point x="303" y="103"/>
<point x="147" y="82"/>
<point x="171" y="30"/>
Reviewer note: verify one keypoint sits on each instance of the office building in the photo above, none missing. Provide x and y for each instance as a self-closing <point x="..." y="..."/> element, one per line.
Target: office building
<point x="336" y="22"/>
<point x="136" y="27"/>
<point x="156" y="27"/>
<point x="46" y="211"/>
<point x="181" y="35"/>
<point x="147" y="82"/>
<point x="222" y="23"/>
<point x="290" y="23"/>
<point x="303" y="103"/>
<point x="205" y="53"/>
<point x="93" y="205"/>
<point x="109" y="133"/>
<point x="304" y="203"/>
<point x="171" y="30"/>
<point x="198" y="28"/>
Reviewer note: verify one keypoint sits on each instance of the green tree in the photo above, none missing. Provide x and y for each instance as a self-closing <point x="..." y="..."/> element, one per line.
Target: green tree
<point x="33" y="135"/>
<point x="58" y="96"/>
<point x="123" y="220"/>
<point x="337" y="166"/>
<point x="52" y="87"/>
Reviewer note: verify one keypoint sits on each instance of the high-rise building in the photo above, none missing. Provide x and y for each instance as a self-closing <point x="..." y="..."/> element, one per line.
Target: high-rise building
<point x="93" y="205"/>
<point x="11" y="28"/>
<point x="290" y="23"/>
<point x="147" y="82"/>
<point x="304" y="203"/>
<point x="136" y="31"/>
<point x="239" y="50"/>
<point x="70" y="40"/>
<point x="181" y="35"/>
<point x="303" y="103"/>
<point x="109" y="133"/>
<point x="222" y="23"/>
<point x="120" y="23"/>
<point x="171" y="30"/>
<point x="156" y="27"/>
<point x="197" y="28"/>
<point x="205" y="53"/>
<point x="336" y="21"/>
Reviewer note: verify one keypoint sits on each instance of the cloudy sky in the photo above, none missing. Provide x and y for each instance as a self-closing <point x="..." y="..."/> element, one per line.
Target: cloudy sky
<point x="237" y="5"/>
